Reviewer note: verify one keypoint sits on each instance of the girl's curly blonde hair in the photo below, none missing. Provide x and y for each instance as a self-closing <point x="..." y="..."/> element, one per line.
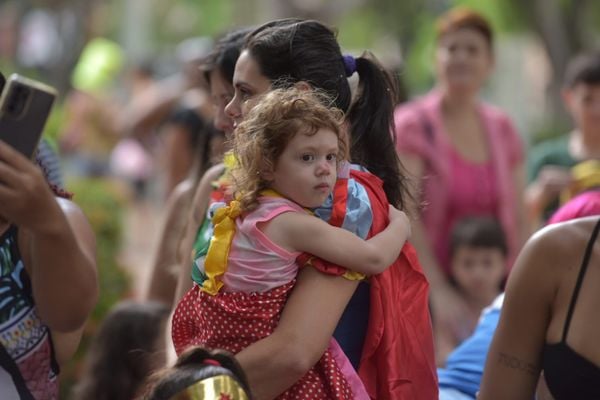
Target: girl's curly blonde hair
<point x="262" y="137"/>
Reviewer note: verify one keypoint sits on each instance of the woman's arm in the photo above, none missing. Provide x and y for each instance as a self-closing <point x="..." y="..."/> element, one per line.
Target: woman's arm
<point x="56" y="242"/>
<point x="546" y="187"/>
<point x="304" y="233"/>
<point x="179" y="158"/>
<point x="62" y="266"/>
<point x="309" y="318"/>
<point x="448" y="307"/>
<point x="166" y="263"/>
<point x="513" y="364"/>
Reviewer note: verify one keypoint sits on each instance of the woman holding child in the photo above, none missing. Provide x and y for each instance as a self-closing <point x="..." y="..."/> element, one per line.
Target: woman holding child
<point x="296" y="52"/>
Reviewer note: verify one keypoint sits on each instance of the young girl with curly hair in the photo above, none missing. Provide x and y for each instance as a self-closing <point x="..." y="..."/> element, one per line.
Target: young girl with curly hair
<point x="288" y="151"/>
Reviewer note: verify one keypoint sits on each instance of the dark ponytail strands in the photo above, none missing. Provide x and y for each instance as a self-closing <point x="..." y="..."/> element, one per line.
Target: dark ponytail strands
<point x="371" y="121"/>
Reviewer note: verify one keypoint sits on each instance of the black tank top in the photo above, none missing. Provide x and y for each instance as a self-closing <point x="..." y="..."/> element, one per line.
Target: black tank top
<point x="570" y="375"/>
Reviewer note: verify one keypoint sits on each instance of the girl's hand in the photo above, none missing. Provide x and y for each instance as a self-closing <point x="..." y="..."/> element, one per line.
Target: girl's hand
<point x="401" y="216"/>
<point x="25" y="197"/>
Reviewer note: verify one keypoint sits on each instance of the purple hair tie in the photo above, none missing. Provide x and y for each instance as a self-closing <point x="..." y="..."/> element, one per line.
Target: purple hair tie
<point x="349" y="64"/>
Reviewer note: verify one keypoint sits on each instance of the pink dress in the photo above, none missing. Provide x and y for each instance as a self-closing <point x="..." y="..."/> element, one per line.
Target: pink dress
<point x="453" y="187"/>
<point x="259" y="278"/>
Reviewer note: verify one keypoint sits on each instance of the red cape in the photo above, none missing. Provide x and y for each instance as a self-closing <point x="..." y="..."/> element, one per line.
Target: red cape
<point x="398" y="360"/>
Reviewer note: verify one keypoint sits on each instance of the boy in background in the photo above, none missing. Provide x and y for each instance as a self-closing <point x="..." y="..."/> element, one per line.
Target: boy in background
<point x="550" y="161"/>
<point x="478" y="258"/>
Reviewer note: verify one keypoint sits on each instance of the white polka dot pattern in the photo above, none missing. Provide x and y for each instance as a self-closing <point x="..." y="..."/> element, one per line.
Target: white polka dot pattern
<point x="234" y="320"/>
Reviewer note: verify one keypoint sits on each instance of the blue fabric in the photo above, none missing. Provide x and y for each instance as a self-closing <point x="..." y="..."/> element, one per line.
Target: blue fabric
<point x="352" y="327"/>
<point x="359" y="216"/>
<point x="464" y="366"/>
<point x="453" y="394"/>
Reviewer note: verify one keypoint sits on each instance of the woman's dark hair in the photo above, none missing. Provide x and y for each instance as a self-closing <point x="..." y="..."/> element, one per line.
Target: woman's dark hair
<point x="200" y="133"/>
<point x="193" y="365"/>
<point x="293" y="50"/>
<point x="225" y="54"/>
<point x="121" y="355"/>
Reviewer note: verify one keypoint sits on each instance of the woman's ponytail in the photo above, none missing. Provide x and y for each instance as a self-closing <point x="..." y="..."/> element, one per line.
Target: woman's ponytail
<point x="371" y="126"/>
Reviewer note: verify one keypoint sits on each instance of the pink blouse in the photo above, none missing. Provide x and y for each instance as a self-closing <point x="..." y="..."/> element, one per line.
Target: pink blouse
<point x="255" y="263"/>
<point x="453" y="187"/>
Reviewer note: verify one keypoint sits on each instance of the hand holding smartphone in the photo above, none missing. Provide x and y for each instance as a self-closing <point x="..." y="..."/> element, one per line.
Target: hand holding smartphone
<point x="25" y="105"/>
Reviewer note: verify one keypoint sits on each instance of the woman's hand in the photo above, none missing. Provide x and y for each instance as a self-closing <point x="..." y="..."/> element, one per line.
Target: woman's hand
<point x="25" y="197"/>
<point x="547" y="186"/>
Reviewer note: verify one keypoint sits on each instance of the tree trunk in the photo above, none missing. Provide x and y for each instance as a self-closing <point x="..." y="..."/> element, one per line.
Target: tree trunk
<point x="557" y="27"/>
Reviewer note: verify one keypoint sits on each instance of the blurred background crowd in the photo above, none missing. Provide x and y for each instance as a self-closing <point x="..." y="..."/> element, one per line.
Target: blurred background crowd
<point x="134" y="116"/>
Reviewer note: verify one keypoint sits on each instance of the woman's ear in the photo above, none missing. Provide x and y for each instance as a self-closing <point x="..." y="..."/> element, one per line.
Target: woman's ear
<point x="302" y="85"/>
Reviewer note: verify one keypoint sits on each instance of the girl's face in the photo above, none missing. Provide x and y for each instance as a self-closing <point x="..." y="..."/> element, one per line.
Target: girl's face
<point x="463" y="60"/>
<point x="248" y="83"/>
<point x="221" y="93"/>
<point x="306" y="171"/>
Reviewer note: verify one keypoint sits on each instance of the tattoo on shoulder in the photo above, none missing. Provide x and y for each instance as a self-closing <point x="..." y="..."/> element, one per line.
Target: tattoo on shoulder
<point x="515" y="363"/>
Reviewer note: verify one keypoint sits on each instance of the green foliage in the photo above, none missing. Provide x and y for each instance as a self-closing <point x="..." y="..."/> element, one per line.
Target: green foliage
<point x="504" y="15"/>
<point x="175" y="21"/>
<point x="418" y="65"/>
<point x="215" y="15"/>
<point x="103" y="204"/>
<point x="358" y="29"/>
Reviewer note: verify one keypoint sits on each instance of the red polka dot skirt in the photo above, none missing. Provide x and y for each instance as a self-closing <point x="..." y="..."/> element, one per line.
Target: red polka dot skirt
<point x="233" y="321"/>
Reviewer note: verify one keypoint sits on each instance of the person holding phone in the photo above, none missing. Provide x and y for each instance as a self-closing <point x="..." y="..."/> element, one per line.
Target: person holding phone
<point x="48" y="281"/>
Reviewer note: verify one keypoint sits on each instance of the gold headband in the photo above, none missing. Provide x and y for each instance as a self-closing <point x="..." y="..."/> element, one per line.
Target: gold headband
<point x="222" y="387"/>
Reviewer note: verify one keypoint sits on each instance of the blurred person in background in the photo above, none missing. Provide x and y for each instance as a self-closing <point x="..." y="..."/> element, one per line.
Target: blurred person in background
<point x="205" y="141"/>
<point x="48" y="281"/>
<point x="172" y="259"/>
<point x="580" y="194"/>
<point x="131" y="158"/>
<point x="550" y="161"/>
<point x="465" y="156"/>
<point x="460" y="378"/>
<point x="164" y="118"/>
<point x="125" y="351"/>
<point x="478" y="254"/>
<point x="90" y="128"/>
<point x="189" y="141"/>
<point x="548" y="327"/>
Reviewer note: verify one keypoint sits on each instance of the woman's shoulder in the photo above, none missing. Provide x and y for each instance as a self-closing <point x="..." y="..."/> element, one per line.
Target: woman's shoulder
<point x="181" y="194"/>
<point x="494" y="113"/>
<point x="214" y="172"/>
<point x="411" y="111"/>
<point x="76" y="217"/>
<point x="563" y="242"/>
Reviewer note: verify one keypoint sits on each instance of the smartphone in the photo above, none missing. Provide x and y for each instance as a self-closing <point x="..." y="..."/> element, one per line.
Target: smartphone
<point x="25" y="105"/>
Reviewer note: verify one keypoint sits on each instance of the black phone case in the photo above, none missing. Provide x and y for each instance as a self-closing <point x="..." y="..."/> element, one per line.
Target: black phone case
<point x="22" y="127"/>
